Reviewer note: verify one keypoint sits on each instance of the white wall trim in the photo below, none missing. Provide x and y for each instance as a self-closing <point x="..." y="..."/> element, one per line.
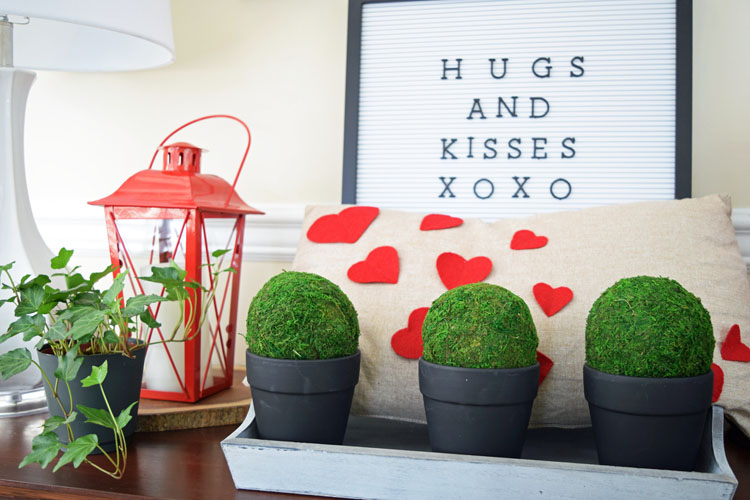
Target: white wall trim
<point x="268" y="238"/>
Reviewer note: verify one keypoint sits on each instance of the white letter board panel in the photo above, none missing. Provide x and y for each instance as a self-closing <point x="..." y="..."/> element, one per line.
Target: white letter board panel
<point x="497" y="108"/>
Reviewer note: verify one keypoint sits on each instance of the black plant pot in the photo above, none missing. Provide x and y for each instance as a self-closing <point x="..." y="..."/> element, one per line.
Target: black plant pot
<point x="302" y="400"/>
<point x="122" y="386"/>
<point x="478" y="411"/>
<point x="654" y="423"/>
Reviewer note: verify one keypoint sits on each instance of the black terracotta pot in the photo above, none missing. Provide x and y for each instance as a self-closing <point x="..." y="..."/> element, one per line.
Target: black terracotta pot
<point x="302" y="400"/>
<point x="122" y="387"/>
<point x="478" y="411"/>
<point x="645" y="422"/>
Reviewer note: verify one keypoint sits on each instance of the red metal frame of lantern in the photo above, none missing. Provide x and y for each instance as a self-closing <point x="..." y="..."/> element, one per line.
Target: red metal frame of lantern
<point x="180" y="191"/>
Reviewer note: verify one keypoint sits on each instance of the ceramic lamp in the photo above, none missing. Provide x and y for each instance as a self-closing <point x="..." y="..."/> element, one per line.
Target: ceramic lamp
<point x="67" y="35"/>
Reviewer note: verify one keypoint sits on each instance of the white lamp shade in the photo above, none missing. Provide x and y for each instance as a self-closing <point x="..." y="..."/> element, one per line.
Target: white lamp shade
<point x="90" y="35"/>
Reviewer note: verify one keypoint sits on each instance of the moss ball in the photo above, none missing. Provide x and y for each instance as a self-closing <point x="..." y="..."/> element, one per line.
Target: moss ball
<point x="479" y="326"/>
<point x="649" y="327"/>
<point x="301" y="316"/>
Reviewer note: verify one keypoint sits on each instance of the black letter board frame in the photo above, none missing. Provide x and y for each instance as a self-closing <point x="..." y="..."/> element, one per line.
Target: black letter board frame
<point x="683" y="98"/>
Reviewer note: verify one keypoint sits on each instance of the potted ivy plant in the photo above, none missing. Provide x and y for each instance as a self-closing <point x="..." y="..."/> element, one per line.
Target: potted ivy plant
<point x="90" y="362"/>
<point x="478" y="373"/>
<point x="302" y="358"/>
<point x="647" y="377"/>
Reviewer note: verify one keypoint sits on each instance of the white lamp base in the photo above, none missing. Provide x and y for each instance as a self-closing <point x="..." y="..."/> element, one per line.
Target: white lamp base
<point x="20" y="240"/>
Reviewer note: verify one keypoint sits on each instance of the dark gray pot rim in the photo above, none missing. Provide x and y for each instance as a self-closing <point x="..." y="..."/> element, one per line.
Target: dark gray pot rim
<point x="478" y="386"/>
<point x="302" y="376"/>
<point x="648" y="395"/>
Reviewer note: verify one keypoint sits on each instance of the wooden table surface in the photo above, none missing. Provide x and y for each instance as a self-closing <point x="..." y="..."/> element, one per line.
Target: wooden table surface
<point x="183" y="465"/>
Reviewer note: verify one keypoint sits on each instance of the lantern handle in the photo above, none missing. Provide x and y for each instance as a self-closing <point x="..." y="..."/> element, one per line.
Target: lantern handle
<point x="244" y="157"/>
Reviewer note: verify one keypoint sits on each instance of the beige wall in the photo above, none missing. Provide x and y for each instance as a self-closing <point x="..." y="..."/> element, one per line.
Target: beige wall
<point x="280" y="66"/>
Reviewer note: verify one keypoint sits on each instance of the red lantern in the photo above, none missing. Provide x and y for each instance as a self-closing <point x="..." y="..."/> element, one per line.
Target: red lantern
<point x="181" y="202"/>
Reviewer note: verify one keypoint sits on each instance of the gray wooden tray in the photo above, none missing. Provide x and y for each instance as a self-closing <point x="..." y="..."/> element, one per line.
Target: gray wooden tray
<point x="387" y="459"/>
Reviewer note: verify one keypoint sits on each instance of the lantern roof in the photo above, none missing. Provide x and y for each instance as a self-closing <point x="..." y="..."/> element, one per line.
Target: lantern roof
<point x="179" y="185"/>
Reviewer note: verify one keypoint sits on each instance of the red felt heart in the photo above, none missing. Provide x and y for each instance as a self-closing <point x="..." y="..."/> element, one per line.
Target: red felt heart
<point x="344" y="227"/>
<point x="407" y="342"/>
<point x="380" y="266"/>
<point x="438" y="221"/>
<point x="718" y="382"/>
<point x="527" y="240"/>
<point x="545" y="365"/>
<point x="551" y="300"/>
<point x="455" y="271"/>
<point x="733" y="349"/>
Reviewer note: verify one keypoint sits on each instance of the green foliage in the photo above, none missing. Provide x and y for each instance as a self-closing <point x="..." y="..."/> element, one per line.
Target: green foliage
<point x="479" y="326"/>
<point x="301" y="316"/>
<point x="14" y="361"/>
<point x="649" y="327"/>
<point x="80" y="319"/>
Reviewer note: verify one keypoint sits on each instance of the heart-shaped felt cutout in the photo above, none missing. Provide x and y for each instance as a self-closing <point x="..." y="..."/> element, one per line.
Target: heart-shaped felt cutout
<point x="551" y="300"/>
<point x="438" y="221"/>
<point x="545" y="365"/>
<point x="527" y="240"/>
<point x="718" y="382"/>
<point x="344" y="227"/>
<point x="455" y="271"/>
<point x="733" y="349"/>
<point x="407" y="342"/>
<point x="380" y="266"/>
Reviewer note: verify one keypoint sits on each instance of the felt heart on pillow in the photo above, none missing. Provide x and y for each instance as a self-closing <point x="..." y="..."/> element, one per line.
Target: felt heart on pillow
<point x="551" y="300"/>
<point x="380" y="266"/>
<point x="407" y="342"/>
<point x="545" y="365"/>
<point x="438" y="221"/>
<point x="455" y="271"/>
<point x="527" y="240"/>
<point x="733" y="349"/>
<point x="344" y="227"/>
<point x="718" y="382"/>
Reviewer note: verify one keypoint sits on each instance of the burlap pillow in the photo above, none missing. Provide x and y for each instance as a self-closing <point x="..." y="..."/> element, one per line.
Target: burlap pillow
<point x="691" y="241"/>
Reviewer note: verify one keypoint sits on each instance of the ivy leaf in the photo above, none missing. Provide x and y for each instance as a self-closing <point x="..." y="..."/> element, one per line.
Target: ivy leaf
<point x="57" y="331"/>
<point x="86" y="324"/>
<point x="149" y="320"/>
<point x="53" y="423"/>
<point x="87" y="299"/>
<point x="31" y="299"/>
<point x="21" y="325"/>
<point x="77" y="451"/>
<point x="6" y="267"/>
<point x="97" y="416"/>
<point x="94" y="277"/>
<point x="68" y="365"/>
<point x="62" y="259"/>
<point x="74" y="280"/>
<point x="98" y="374"/>
<point x="166" y="276"/>
<point x="37" y="328"/>
<point x="219" y="253"/>
<point x="136" y="305"/>
<point x="124" y="417"/>
<point x="13" y="362"/>
<point x="41" y="280"/>
<point x="110" y="337"/>
<point x="111" y="294"/>
<point x="44" y="448"/>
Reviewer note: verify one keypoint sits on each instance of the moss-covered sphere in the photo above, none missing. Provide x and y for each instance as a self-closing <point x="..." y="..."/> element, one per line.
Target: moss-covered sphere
<point x="649" y="327"/>
<point x="479" y="326"/>
<point x="301" y="316"/>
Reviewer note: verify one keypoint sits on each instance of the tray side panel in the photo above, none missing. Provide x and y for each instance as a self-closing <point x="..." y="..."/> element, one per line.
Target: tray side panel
<point x="355" y="475"/>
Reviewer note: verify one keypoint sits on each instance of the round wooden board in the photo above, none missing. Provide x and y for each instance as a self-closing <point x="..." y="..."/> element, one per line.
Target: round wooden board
<point x="227" y="407"/>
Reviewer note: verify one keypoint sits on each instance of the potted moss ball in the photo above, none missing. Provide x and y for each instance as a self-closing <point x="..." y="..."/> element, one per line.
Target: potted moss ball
<point x="648" y="378"/>
<point x="302" y="358"/>
<point x="478" y="374"/>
